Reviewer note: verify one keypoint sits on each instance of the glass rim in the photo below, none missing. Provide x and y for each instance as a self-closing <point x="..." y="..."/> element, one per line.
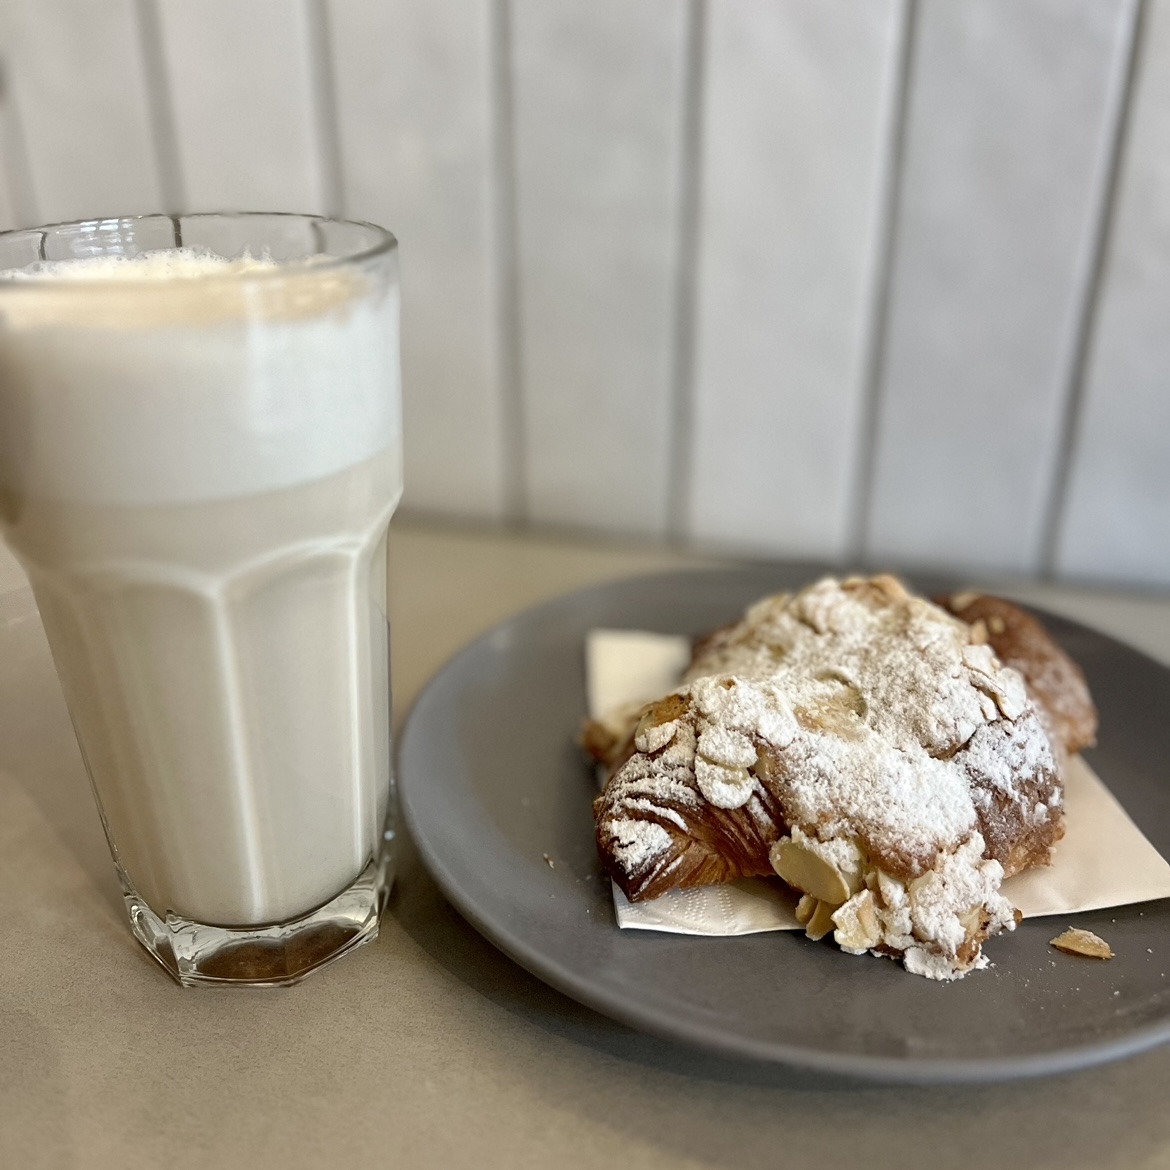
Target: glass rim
<point x="385" y="242"/>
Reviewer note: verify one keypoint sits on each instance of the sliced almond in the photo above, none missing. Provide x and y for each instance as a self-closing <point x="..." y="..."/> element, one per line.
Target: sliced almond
<point x="838" y="707"/>
<point x="891" y="587"/>
<point x="651" y="737"/>
<point x="808" y="871"/>
<point x="1075" y="941"/>
<point x="659" y="722"/>
<point x="857" y="923"/>
<point x="972" y="919"/>
<point x="891" y="890"/>
<point x="726" y="747"/>
<point x="821" y="921"/>
<point x="723" y="786"/>
<point x="805" y="908"/>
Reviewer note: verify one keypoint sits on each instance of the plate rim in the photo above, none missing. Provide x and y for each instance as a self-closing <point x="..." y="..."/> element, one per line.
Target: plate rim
<point x="884" y="1069"/>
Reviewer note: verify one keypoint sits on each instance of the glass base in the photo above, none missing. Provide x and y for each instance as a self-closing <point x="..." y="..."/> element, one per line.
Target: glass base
<point x="265" y="956"/>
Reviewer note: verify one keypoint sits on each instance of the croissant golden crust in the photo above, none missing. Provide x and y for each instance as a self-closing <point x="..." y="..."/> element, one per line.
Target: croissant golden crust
<point x="1054" y="681"/>
<point x="855" y="728"/>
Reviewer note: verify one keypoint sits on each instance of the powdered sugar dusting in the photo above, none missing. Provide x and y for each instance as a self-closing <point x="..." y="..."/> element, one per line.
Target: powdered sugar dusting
<point x="637" y="842"/>
<point x="887" y="691"/>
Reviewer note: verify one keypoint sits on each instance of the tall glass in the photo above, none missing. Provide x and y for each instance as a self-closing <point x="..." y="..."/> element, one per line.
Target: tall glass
<point x="198" y="463"/>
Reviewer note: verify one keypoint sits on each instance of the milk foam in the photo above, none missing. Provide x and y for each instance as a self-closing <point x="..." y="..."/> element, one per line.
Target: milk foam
<point x="165" y="264"/>
<point x="178" y="377"/>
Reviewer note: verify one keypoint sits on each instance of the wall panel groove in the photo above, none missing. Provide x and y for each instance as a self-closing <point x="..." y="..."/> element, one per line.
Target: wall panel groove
<point x="598" y="88"/>
<point x="241" y="94"/>
<point x="76" y="76"/>
<point x="162" y="115"/>
<point x="1068" y="420"/>
<point x="17" y="204"/>
<point x="682" y="380"/>
<point x="513" y="424"/>
<point x="796" y="115"/>
<point x="416" y="84"/>
<point x="326" y="124"/>
<point x="885" y="242"/>
<point x="1009" y="136"/>
<point x="1115" y="522"/>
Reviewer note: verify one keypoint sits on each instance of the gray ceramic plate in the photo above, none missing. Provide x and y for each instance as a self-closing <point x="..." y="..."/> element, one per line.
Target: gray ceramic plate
<point x="491" y="784"/>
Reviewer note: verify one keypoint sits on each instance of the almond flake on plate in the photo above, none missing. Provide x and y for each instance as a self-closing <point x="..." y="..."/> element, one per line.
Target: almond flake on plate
<point x="1075" y="941"/>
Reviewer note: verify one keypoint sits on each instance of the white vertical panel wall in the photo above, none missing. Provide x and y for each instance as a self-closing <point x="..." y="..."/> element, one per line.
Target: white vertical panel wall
<point x="1116" y="522"/>
<point x="76" y="80"/>
<point x="7" y="217"/>
<point x="239" y="74"/>
<point x="1008" y="137"/>
<point x="598" y="105"/>
<point x="584" y="139"/>
<point x="796" y="127"/>
<point x="13" y="167"/>
<point x="416" y="108"/>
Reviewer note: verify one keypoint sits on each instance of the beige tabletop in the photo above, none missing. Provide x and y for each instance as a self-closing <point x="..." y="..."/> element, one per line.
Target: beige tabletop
<point x="429" y="1048"/>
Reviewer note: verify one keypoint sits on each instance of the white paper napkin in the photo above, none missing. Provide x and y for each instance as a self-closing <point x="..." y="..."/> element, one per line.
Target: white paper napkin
<point x="1103" y="860"/>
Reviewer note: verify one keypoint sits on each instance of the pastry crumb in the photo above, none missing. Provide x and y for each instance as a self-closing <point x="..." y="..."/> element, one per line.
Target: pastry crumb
<point x="1075" y="941"/>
